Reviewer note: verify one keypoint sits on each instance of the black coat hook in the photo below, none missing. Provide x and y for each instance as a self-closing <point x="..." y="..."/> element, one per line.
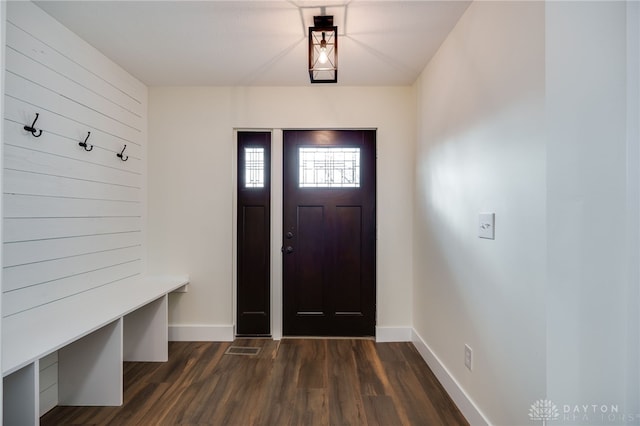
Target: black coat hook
<point x="33" y="129"/>
<point x="87" y="147"/>
<point x="122" y="156"/>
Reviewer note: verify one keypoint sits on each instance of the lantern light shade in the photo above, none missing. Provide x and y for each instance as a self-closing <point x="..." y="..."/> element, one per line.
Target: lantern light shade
<point x="323" y="50"/>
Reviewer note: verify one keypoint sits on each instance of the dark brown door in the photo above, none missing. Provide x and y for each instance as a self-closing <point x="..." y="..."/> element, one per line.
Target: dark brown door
<point x="329" y="243"/>
<point x="253" y="238"/>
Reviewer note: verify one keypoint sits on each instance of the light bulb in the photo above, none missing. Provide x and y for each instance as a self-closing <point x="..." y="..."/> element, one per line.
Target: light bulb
<point x="323" y="58"/>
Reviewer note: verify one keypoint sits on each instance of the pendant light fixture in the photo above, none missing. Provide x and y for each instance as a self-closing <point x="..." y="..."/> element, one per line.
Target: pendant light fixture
<point x="323" y="50"/>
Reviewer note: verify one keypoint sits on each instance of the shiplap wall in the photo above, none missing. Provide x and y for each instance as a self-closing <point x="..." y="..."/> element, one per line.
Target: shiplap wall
<point x="3" y="15"/>
<point x="73" y="220"/>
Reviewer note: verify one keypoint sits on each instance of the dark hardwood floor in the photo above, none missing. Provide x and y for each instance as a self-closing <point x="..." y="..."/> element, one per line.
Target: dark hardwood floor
<point x="290" y="382"/>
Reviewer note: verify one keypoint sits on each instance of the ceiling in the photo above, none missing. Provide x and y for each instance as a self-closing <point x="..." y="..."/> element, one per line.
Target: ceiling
<point x="259" y="43"/>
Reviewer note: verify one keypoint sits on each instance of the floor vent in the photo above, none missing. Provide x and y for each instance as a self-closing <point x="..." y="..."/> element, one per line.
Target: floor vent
<point x="242" y="350"/>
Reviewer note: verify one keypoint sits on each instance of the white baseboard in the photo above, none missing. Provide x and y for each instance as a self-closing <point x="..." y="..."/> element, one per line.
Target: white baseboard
<point x="393" y="334"/>
<point x="201" y="333"/>
<point x="466" y="405"/>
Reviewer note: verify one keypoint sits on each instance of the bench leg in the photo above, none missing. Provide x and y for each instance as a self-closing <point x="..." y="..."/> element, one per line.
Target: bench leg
<point x="146" y="332"/>
<point x="20" y="396"/>
<point x="90" y="369"/>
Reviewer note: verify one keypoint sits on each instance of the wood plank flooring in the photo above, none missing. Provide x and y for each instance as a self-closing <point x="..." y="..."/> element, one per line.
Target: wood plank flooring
<point x="290" y="382"/>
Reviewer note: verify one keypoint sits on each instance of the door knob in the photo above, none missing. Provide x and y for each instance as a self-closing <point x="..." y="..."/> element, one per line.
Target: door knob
<point x="288" y="250"/>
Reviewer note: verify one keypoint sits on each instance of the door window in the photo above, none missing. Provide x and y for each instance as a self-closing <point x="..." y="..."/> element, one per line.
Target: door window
<point x="329" y="167"/>
<point x="254" y="167"/>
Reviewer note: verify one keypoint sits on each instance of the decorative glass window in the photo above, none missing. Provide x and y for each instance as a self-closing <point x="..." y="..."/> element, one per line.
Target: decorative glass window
<point x="329" y="167"/>
<point x="254" y="167"/>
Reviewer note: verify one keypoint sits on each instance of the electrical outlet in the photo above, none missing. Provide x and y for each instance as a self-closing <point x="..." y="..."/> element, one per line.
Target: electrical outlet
<point x="468" y="357"/>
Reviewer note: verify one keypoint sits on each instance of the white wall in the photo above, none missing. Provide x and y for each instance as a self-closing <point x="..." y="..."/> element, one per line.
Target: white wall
<point x="531" y="110"/>
<point x="481" y="148"/>
<point x="191" y="185"/>
<point x="633" y="201"/>
<point x="592" y="97"/>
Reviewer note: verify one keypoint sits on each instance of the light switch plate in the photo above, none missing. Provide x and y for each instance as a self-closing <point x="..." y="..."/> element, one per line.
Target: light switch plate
<point x="486" y="226"/>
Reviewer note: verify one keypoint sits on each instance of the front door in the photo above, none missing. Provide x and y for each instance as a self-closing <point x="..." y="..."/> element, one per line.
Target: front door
<point x="329" y="243"/>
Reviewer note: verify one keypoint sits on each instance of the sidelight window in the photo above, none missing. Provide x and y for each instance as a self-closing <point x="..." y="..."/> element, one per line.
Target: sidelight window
<point x="329" y="167"/>
<point x="254" y="167"/>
